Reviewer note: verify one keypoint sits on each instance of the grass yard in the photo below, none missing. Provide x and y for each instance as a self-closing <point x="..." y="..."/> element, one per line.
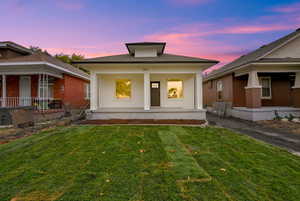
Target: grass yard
<point x="145" y="163"/>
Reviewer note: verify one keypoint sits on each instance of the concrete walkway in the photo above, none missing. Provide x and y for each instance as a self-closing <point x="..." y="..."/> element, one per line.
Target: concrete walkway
<point x="288" y="141"/>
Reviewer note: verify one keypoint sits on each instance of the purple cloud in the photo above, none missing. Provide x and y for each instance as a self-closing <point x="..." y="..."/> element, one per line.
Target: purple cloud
<point x="291" y="8"/>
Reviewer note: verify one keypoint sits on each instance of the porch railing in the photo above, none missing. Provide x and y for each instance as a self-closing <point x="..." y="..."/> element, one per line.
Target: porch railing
<point x="36" y="102"/>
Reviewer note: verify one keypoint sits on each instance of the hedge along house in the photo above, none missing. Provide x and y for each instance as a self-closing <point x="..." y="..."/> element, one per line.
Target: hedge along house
<point x="37" y="79"/>
<point x="261" y="83"/>
<point x="146" y="83"/>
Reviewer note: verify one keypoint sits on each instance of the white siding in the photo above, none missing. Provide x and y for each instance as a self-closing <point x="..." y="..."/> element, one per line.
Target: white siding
<point x="146" y="52"/>
<point x="291" y="49"/>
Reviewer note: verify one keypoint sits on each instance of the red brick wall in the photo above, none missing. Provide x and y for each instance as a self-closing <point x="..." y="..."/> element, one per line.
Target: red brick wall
<point x="58" y="89"/>
<point x="74" y="91"/>
<point x="34" y="85"/>
<point x="253" y="99"/>
<point x="296" y="97"/>
<point x="281" y="92"/>
<point x="210" y="94"/>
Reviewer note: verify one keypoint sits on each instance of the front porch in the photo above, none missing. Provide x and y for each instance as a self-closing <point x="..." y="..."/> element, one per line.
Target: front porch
<point x="39" y="91"/>
<point x="270" y="91"/>
<point x="151" y="95"/>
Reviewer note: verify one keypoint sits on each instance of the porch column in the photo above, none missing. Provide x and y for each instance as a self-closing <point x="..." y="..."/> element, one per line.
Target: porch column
<point x="3" y="90"/>
<point x="146" y="91"/>
<point x="198" y="91"/>
<point x="296" y="91"/>
<point x="94" y="91"/>
<point x="253" y="91"/>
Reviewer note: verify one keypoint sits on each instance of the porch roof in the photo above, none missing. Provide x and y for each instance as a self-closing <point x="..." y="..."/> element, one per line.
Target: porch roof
<point x="43" y="58"/>
<point x="164" y="58"/>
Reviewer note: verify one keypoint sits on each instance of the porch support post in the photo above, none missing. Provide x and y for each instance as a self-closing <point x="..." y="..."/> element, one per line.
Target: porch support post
<point x="3" y="90"/>
<point x="146" y="91"/>
<point x="253" y="91"/>
<point x="296" y="91"/>
<point x="198" y="91"/>
<point x="94" y="92"/>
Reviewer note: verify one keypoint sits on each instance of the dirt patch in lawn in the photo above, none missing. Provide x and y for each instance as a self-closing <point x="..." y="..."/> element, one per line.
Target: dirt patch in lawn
<point x="285" y="126"/>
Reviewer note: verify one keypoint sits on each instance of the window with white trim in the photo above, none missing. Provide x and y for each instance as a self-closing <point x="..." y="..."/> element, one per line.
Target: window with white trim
<point x="266" y="89"/>
<point x="123" y="89"/>
<point x="87" y="91"/>
<point x="175" y="88"/>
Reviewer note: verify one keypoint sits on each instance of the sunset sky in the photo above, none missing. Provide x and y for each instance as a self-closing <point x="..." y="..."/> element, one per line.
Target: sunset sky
<point x="213" y="29"/>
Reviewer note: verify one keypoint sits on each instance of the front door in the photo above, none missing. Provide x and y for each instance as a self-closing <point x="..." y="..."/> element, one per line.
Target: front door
<point x="155" y="93"/>
<point x="25" y="91"/>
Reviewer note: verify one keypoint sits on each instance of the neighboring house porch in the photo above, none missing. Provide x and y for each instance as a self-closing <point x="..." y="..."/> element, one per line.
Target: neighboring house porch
<point x="260" y="85"/>
<point x="42" y="91"/>
<point x="267" y="91"/>
<point x="37" y="79"/>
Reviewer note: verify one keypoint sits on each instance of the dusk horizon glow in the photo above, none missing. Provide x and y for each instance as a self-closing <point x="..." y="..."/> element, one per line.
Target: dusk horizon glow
<point x="211" y="29"/>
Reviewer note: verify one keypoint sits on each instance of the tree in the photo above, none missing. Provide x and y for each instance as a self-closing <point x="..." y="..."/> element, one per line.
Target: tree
<point x="69" y="58"/>
<point x="66" y="58"/>
<point x="37" y="49"/>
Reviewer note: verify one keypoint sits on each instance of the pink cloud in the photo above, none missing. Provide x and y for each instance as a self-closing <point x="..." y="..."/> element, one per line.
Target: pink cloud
<point x="255" y="29"/>
<point x="288" y="8"/>
<point x="193" y="41"/>
<point x="190" y="44"/>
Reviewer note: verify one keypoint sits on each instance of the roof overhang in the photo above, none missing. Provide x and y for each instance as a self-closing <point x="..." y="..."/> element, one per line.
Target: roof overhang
<point x="47" y="64"/>
<point x="145" y="62"/>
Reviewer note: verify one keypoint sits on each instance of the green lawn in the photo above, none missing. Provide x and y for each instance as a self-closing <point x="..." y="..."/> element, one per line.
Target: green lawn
<point x="143" y="163"/>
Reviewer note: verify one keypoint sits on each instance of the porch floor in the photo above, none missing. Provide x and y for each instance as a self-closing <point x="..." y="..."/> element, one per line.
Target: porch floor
<point x="154" y="113"/>
<point x="264" y="113"/>
<point x="141" y="110"/>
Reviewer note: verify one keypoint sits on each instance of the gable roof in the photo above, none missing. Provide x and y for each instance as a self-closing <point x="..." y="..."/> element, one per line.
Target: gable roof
<point x="46" y="59"/>
<point x="164" y="58"/>
<point x="257" y="55"/>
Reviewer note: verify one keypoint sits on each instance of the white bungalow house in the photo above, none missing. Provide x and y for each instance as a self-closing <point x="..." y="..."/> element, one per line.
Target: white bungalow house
<point x="146" y="83"/>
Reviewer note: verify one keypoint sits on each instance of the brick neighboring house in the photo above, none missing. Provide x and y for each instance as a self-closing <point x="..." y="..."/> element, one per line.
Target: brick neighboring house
<point x="259" y="83"/>
<point x="37" y="79"/>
